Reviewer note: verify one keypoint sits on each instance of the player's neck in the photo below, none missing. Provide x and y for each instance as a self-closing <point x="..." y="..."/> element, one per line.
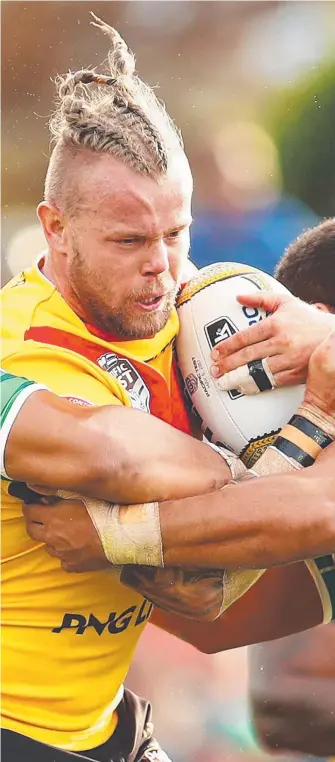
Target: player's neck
<point x="55" y="275"/>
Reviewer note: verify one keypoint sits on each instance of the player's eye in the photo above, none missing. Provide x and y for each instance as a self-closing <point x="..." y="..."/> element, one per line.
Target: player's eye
<point x="174" y="234"/>
<point x="128" y="241"/>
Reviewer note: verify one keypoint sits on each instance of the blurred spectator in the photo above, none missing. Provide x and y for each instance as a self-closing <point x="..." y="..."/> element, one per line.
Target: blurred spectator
<point x="256" y="237"/>
<point x="293" y="692"/>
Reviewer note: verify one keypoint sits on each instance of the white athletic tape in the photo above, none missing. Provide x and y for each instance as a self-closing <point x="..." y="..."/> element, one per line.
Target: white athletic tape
<point x="235" y="465"/>
<point x="269" y="373"/>
<point x="324" y="421"/>
<point x="128" y="534"/>
<point x="132" y="535"/>
<point x="274" y="461"/>
<point x="237" y="583"/>
<point x="239" y="379"/>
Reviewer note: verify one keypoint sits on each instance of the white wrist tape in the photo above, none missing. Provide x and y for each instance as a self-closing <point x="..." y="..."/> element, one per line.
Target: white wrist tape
<point x="273" y="461"/>
<point x="235" y="465"/>
<point x="237" y="583"/>
<point x="325" y="421"/>
<point x="129" y="534"/>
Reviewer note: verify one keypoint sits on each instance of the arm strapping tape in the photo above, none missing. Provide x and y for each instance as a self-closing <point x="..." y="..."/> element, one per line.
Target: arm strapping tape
<point x="128" y="534"/>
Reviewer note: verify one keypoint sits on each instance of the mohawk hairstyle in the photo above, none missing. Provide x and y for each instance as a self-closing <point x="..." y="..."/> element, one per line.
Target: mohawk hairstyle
<point x="113" y="112"/>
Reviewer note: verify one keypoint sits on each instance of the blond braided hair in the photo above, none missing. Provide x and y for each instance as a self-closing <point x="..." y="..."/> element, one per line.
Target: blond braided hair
<point x="114" y="112"/>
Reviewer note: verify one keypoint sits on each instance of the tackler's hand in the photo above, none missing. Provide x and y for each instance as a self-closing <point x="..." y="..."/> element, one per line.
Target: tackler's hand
<point x="275" y="351"/>
<point x="68" y="533"/>
<point x="320" y="386"/>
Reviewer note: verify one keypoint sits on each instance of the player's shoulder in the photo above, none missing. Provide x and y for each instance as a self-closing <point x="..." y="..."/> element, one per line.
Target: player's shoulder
<point x="27" y="281"/>
<point x="20" y="298"/>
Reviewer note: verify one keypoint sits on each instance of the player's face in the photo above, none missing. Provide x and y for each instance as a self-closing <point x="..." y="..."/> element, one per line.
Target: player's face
<point x="127" y="245"/>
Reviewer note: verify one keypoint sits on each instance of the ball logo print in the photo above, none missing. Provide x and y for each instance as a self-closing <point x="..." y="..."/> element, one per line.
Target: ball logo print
<point x="191" y="383"/>
<point x="217" y="331"/>
<point x="252" y="314"/>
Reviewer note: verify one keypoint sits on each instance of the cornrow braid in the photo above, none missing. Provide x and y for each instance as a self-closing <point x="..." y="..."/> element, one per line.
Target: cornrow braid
<point x="120" y="58"/>
<point x="94" y="133"/>
<point x="152" y="132"/>
<point x="85" y="77"/>
<point x="114" y="112"/>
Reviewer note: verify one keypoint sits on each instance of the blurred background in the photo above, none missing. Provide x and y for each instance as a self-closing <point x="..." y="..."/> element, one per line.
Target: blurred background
<point x="252" y="87"/>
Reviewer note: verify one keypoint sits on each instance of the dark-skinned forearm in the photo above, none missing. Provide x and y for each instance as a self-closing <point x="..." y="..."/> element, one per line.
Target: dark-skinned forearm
<point x="258" y="523"/>
<point x="114" y="453"/>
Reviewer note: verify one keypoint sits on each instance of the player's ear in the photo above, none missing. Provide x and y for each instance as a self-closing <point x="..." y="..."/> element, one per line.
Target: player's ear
<point x="53" y="224"/>
<point x="323" y="307"/>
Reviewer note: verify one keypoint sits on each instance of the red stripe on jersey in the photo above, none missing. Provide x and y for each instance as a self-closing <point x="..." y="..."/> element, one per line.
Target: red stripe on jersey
<point x="166" y="405"/>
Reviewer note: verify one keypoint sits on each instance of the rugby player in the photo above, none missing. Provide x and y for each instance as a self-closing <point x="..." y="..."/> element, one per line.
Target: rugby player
<point x="94" y="321"/>
<point x="293" y="680"/>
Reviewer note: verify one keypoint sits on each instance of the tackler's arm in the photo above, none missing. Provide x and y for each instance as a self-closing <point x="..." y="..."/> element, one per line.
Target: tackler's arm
<point x="111" y="452"/>
<point x="254" y="523"/>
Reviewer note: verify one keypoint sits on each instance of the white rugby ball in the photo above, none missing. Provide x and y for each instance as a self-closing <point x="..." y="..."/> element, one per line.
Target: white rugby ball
<point x="209" y="313"/>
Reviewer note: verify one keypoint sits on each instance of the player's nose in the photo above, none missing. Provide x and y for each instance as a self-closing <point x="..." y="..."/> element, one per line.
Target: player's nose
<point x="157" y="259"/>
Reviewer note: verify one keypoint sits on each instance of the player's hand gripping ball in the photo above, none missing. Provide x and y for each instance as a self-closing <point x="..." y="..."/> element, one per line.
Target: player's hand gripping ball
<point x="247" y="418"/>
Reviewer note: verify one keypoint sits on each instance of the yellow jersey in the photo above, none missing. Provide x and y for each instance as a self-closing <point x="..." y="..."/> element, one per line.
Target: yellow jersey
<point x="68" y="639"/>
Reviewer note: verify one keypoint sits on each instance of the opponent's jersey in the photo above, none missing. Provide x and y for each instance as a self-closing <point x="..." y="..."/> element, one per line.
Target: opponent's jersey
<point x="14" y="391"/>
<point x="68" y="639"/>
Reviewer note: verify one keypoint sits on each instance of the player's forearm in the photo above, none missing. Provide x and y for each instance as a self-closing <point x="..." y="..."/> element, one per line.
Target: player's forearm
<point x="152" y="460"/>
<point x="114" y="453"/>
<point x="266" y="522"/>
<point x="255" y="523"/>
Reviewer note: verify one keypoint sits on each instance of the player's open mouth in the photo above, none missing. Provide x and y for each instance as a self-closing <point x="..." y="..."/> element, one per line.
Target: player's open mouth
<point x="152" y="303"/>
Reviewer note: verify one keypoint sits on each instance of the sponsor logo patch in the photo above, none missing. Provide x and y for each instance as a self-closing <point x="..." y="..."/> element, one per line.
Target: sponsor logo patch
<point x="125" y="373"/>
<point x="114" y="624"/>
<point x="78" y="401"/>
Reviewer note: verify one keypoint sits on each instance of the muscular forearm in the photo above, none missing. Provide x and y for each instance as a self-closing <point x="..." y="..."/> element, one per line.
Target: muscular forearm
<point x="255" y="523"/>
<point x="267" y="521"/>
<point x="115" y="453"/>
<point x="154" y="461"/>
<point x="262" y="523"/>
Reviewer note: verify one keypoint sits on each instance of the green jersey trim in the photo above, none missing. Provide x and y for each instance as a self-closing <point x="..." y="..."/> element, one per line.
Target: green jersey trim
<point x="14" y="391"/>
